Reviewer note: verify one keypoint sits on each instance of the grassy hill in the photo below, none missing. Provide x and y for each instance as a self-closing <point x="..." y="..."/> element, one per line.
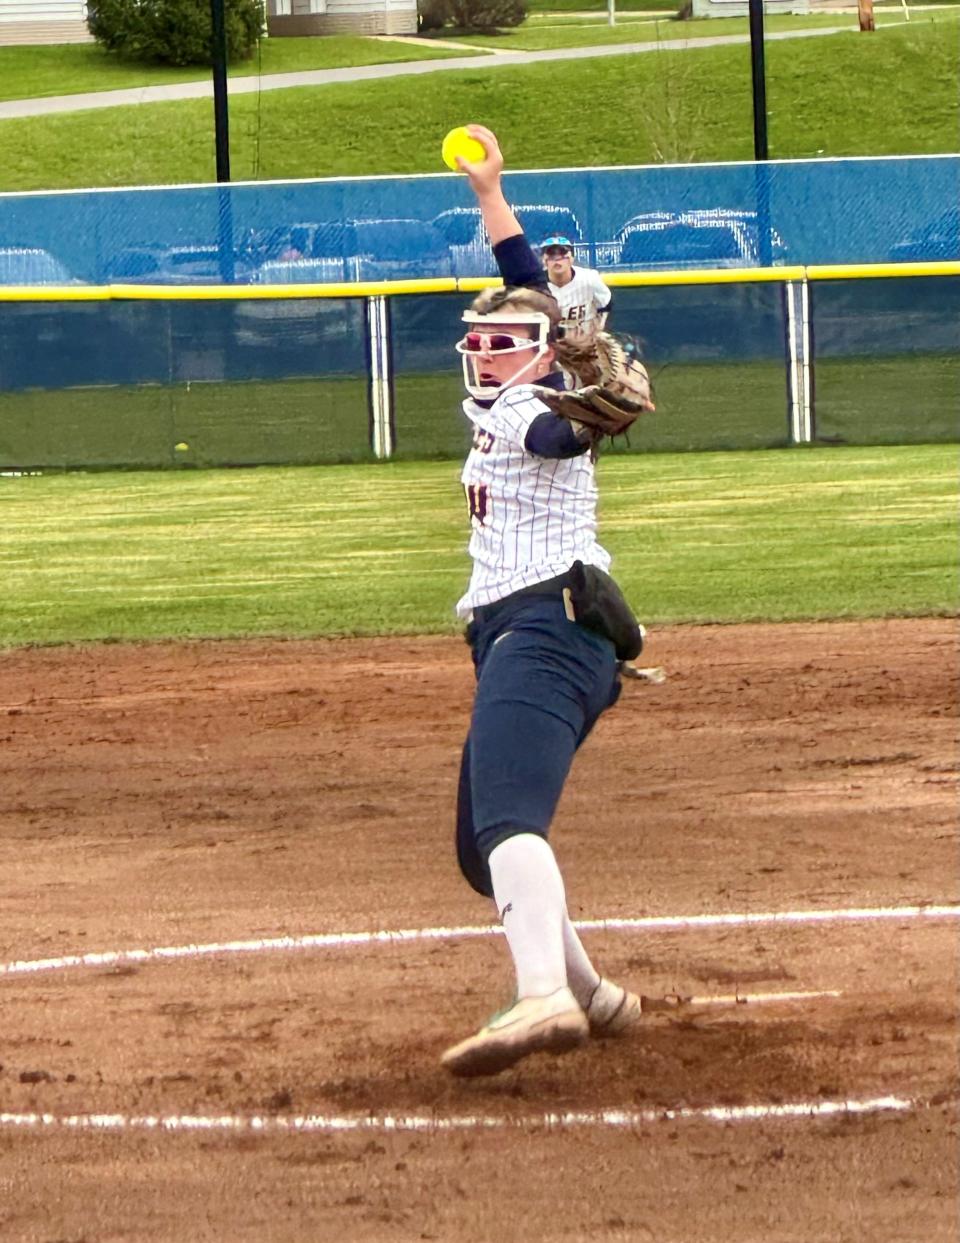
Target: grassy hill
<point x="829" y="95"/>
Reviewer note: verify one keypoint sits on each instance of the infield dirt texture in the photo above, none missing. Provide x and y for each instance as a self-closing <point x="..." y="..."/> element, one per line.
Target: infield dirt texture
<point x="234" y="792"/>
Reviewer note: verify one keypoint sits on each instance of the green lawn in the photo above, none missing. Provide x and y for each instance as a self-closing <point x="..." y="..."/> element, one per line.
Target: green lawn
<point x="547" y="32"/>
<point x="830" y="95"/>
<point x="215" y="424"/>
<point x="75" y="68"/>
<point x="380" y="549"/>
<point x="43" y="71"/>
<point x="620" y="6"/>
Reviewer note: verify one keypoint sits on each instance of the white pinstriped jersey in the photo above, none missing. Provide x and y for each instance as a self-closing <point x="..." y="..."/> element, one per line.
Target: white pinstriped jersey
<point x="531" y="517"/>
<point x="581" y="299"/>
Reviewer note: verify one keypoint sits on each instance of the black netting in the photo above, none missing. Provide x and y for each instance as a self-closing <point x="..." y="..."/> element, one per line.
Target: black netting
<point x="158" y="383"/>
<point x="207" y="383"/>
<point x="886" y="358"/>
<point x="716" y="353"/>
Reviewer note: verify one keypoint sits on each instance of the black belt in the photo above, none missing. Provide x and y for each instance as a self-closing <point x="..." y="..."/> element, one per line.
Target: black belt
<point x="550" y="587"/>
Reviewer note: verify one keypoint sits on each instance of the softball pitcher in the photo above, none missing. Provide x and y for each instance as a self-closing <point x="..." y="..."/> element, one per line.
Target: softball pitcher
<point x="547" y="629"/>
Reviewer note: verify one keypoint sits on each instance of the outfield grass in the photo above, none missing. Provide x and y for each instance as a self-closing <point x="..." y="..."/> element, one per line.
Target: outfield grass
<point x="826" y="96"/>
<point x="380" y="549"/>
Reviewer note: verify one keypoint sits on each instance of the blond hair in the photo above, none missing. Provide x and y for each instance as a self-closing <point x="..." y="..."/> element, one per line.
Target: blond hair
<point x="519" y="299"/>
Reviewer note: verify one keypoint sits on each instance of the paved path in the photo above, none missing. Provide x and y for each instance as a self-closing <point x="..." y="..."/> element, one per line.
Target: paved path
<point x="323" y="77"/>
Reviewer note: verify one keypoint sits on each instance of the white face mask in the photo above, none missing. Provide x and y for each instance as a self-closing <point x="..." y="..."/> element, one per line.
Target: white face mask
<point x="531" y="330"/>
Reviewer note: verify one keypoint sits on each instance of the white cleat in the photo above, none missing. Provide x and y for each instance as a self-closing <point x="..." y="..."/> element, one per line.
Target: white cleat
<point x="613" y="1010"/>
<point x="551" y="1024"/>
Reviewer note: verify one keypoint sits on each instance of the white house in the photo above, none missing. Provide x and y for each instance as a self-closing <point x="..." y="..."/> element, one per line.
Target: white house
<point x="43" y="21"/>
<point x="741" y="8"/>
<point x="328" y="17"/>
<point x="65" y="21"/>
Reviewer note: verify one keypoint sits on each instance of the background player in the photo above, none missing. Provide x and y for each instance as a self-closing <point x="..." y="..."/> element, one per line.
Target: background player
<point x="583" y="298"/>
<point x="542" y="678"/>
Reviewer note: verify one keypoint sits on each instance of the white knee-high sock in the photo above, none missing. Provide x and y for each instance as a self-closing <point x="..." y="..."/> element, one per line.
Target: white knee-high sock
<point x="582" y="975"/>
<point x="528" y="890"/>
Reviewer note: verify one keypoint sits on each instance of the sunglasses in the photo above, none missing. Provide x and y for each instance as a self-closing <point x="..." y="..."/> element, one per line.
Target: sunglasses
<point x="492" y="343"/>
<point x="557" y="252"/>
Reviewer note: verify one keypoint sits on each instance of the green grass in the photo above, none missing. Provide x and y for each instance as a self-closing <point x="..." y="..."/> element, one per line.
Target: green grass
<point x="884" y="400"/>
<point x="75" y="68"/>
<point x="600" y="10"/>
<point x="829" y="95"/>
<point x="380" y="549"/>
<point x="544" y="33"/>
<point x="222" y="424"/>
<point x="44" y="71"/>
<point x="700" y="406"/>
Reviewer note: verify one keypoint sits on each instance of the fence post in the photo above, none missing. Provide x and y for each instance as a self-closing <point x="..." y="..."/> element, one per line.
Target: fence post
<point x="807" y="360"/>
<point x="380" y="384"/>
<point x="798" y="358"/>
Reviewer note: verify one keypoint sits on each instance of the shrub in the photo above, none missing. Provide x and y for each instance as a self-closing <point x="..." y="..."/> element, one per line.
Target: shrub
<point x="432" y="14"/>
<point x="174" y="32"/>
<point x="470" y="15"/>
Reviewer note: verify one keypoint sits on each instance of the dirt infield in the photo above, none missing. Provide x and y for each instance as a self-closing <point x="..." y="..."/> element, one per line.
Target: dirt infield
<point x="229" y="794"/>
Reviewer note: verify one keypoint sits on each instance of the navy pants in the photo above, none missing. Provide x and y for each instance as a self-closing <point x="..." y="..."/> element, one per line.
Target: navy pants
<point x="542" y="682"/>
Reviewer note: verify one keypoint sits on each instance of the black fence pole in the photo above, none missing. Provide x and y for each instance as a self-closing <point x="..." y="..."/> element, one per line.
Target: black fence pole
<point x="760" y="154"/>
<point x="759" y="81"/>
<point x="220" y="112"/>
<point x="222" y="130"/>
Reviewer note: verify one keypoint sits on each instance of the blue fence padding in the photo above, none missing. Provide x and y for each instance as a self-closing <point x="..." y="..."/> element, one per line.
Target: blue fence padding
<point x="382" y="228"/>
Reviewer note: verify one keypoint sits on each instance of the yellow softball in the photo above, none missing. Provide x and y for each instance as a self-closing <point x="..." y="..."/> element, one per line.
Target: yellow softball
<point x="459" y="142"/>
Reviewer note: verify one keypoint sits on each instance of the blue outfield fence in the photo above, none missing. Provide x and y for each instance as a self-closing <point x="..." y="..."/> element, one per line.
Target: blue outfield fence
<point x="195" y="326"/>
<point x="201" y="377"/>
<point x="852" y="211"/>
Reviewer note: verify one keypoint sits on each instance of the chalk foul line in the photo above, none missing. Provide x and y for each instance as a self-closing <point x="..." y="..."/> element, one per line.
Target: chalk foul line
<point x="279" y="1124"/>
<point x="336" y="940"/>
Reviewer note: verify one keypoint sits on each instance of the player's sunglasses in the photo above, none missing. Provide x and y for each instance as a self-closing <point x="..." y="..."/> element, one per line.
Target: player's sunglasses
<point x="557" y="252"/>
<point x="492" y="343"/>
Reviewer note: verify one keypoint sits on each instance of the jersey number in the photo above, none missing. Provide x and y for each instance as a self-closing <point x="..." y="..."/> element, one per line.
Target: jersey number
<point x="477" y="495"/>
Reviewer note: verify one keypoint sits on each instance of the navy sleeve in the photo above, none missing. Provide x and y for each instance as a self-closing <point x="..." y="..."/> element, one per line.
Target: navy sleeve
<point x="551" y="436"/>
<point x="518" y="264"/>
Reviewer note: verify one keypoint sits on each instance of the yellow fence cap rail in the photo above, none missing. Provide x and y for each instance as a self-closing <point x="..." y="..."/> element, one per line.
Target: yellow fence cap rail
<point x="54" y="293"/>
<point x="704" y="276"/>
<point x="331" y="289"/>
<point x="463" y="284"/>
<point x="871" y="271"/>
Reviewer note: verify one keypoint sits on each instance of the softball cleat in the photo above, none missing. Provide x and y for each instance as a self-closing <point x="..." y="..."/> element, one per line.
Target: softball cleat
<point x="613" y="1010"/>
<point x="551" y="1024"/>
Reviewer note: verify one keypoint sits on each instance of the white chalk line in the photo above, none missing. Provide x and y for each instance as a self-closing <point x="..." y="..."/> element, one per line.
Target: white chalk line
<point x="278" y="1124"/>
<point x="335" y="940"/>
<point x="750" y="999"/>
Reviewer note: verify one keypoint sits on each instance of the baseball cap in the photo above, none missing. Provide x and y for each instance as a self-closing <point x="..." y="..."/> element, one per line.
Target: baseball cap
<point x="557" y="240"/>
